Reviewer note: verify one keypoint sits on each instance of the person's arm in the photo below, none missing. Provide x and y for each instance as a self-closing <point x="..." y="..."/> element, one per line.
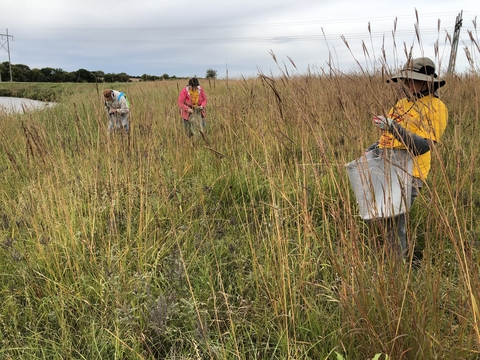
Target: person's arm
<point x="107" y="107"/>
<point x="202" y="101"/>
<point x="416" y="144"/>
<point x="372" y="147"/>
<point x="182" y="104"/>
<point x="123" y="106"/>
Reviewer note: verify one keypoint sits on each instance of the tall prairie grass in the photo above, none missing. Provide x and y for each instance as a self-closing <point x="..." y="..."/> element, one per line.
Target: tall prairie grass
<point x="245" y="246"/>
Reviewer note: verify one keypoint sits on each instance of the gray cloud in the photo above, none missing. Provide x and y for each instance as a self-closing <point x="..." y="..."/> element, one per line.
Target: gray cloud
<point x="169" y="37"/>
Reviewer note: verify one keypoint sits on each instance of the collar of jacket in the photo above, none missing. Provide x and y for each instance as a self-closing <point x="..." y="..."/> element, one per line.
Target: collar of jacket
<point x="198" y="87"/>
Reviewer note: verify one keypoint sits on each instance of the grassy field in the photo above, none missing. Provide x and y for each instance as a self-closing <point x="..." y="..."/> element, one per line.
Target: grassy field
<point x="246" y="246"/>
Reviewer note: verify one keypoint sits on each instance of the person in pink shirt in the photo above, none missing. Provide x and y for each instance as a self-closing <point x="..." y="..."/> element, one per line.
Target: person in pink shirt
<point x="192" y="98"/>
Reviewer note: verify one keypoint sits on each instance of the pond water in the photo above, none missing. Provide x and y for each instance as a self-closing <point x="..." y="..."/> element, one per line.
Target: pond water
<point x="13" y="104"/>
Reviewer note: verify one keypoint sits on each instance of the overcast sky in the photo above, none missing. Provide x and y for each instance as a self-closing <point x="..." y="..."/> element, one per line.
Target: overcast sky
<point x="235" y="38"/>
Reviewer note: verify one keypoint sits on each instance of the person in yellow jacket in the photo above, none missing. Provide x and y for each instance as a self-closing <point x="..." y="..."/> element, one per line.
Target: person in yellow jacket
<point x="416" y="123"/>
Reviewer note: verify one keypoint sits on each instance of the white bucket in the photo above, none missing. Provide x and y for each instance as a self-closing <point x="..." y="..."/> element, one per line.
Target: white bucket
<point x="382" y="182"/>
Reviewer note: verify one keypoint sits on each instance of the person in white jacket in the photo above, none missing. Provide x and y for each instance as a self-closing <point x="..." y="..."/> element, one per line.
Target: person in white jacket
<point x="118" y="109"/>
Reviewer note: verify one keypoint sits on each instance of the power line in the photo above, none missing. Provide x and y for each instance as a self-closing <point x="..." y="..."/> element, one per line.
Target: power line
<point x="154" y="35"/>
<point x="264" y="24"/>
<point x="252" y="39"/>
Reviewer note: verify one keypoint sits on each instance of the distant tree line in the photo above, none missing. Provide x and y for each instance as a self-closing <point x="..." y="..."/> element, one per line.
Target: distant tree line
<point x="22" y="73"/>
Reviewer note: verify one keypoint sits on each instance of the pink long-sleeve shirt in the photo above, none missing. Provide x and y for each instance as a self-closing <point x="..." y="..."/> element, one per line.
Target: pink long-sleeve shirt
<point x="185" y="101"/>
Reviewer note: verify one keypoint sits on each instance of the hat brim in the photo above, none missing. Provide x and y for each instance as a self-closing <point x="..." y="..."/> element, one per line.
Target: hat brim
<point x="412" y="75"/>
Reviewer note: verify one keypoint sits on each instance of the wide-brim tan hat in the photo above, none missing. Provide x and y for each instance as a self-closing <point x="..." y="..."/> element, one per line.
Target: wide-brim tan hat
<point x="422" y="69"/>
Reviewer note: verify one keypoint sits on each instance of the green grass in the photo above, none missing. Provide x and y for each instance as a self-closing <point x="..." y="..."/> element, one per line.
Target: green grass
<point x="245" y="247"/>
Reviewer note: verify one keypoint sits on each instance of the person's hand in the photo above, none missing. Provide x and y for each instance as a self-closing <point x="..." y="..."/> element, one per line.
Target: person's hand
<point x="382" y="122"/>
<point x="200" y="107"/>
<point x="190" y="110"/>
<point x="112" y="111"/>
<point x="372" y="147"/>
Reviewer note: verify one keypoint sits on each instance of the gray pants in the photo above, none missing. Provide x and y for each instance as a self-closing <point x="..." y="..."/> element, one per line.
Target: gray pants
<point x="397" y="228"/>
<point x="118" y="121"/>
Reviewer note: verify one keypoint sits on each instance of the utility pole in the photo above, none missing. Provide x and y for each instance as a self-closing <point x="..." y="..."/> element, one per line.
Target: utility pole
<point x="453" y="52"/>
<point x="8" y="51"/>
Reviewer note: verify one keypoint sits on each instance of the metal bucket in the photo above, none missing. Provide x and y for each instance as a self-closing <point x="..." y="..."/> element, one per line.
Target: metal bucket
<point x="382" y="182"/>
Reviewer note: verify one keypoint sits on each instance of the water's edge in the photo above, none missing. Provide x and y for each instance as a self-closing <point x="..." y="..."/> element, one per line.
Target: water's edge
<point x="14" y="104"/>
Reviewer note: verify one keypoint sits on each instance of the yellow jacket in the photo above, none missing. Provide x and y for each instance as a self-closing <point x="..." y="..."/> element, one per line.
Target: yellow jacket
<point x="426" y="117"/>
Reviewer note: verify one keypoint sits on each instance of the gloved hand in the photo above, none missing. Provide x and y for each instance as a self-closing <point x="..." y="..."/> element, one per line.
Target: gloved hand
<point x="372" y="147"/>
<point x="382" y="122"/>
